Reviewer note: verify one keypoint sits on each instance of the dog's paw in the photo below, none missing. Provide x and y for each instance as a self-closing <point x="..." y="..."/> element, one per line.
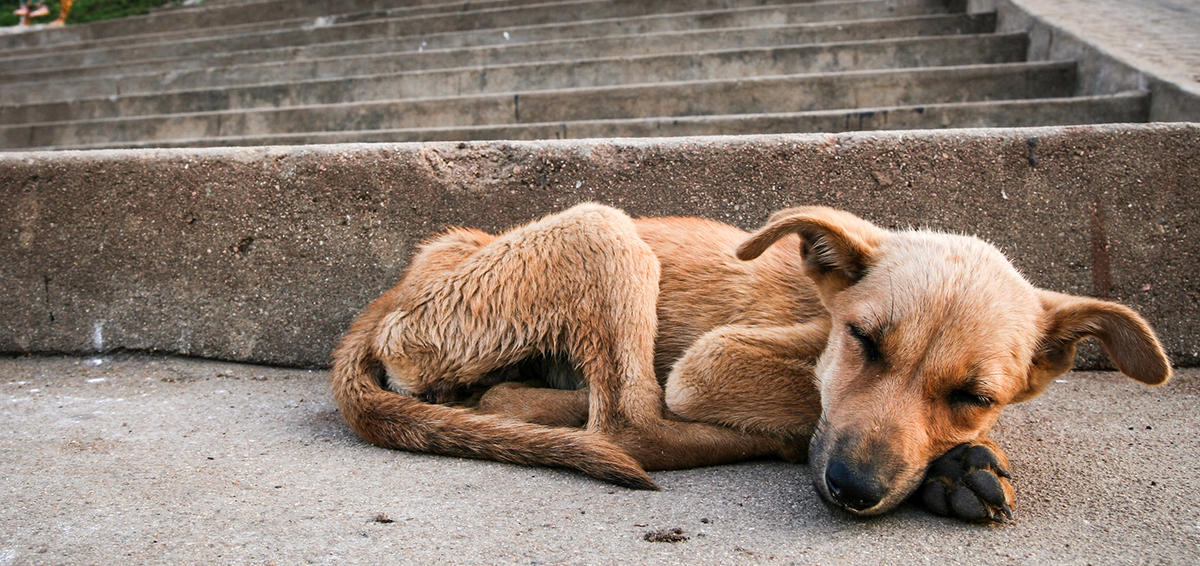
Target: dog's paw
<point x="969" y="483"/>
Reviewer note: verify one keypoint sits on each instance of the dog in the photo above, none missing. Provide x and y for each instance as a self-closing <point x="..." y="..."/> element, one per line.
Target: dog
<point x="592" y="341"/>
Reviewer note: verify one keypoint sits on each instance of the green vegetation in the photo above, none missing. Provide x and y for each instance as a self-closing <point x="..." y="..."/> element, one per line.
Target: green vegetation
<point x="84" y="10"/>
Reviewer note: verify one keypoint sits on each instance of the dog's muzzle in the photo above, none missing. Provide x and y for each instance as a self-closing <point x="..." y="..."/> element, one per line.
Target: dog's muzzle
<point x="860" y="486"/>
<point x="851" y="490"/>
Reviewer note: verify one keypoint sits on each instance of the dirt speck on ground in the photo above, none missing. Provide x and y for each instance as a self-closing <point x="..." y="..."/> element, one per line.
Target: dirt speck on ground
<point x="666" y="535"/>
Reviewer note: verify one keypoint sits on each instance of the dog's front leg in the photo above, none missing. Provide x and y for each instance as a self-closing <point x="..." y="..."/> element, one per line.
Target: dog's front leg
<point x="970" y="482"/>
<point x="756" y="379"/>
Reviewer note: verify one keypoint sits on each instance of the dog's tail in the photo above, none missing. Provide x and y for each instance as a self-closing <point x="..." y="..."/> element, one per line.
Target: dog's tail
<point x="393" y="420"/>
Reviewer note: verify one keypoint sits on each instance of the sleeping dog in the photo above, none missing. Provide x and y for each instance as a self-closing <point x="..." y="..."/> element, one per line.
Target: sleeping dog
<point x="593" y="341"/>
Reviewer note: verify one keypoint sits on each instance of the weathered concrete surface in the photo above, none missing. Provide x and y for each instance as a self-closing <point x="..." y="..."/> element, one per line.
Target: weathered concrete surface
<point x="434" y="51"/>
<point x="583" y="17"/>
<point x="749" y="95"/>
<point x="1120" y="45"/>
<point x="241" y="17"/>
<point x="905" y="53"/>
<point x="1119" y="108"/>
<point x="265" y="254"/>
<point x="168" y="461"/>
<point x="180" y="21"/>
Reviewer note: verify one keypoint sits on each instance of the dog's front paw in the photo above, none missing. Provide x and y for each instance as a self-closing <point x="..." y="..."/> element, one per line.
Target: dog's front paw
<point x="970" y="483"/>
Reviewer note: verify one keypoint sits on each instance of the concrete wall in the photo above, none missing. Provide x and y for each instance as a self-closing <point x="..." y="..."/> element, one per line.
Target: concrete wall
<point x="264" y="254"/>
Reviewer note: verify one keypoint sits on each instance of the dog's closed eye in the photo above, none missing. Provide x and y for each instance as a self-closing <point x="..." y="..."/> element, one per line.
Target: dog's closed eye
<point x="870" y="346"/>
<point x="965" y="398"/>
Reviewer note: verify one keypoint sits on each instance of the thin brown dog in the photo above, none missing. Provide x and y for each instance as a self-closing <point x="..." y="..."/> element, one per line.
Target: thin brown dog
<point x="663" y="343"/>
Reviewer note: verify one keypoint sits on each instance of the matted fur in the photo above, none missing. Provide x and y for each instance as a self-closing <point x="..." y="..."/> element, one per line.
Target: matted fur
<point x="698" y="344"/>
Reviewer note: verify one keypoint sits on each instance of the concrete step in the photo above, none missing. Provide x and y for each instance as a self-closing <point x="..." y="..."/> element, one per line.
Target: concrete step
<point x="1126" y="107"/>
<point x="374" y="56"/>
<point x="238" y="15"/>
<point x="406" y="54"/>
<point x="712" y="65"/>
<point x="328" y="13"/>
<point x="740" y="96"/>
<point x="320" y="14"/>
<point x="566" y="18"/>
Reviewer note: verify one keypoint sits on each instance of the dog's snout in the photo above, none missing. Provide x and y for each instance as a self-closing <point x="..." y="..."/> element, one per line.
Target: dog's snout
<point x="855" y="491"/>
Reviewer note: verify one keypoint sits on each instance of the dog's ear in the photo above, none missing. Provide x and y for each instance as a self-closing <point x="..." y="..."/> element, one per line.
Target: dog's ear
<point x="1124" y="334"/>
<point x="837" y="246"/>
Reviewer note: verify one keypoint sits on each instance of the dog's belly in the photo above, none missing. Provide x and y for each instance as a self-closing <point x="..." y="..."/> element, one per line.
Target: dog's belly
<point x="555" y="369"/>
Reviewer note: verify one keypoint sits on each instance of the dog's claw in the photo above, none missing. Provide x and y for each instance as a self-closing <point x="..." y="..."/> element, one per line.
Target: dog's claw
<point x="986" y="486"/>
<point x="1003" y="515"/>
<point x="969" y="483"/>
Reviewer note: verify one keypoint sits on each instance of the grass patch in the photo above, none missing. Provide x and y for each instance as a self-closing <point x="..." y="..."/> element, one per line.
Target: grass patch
<point x="84" y="11"/>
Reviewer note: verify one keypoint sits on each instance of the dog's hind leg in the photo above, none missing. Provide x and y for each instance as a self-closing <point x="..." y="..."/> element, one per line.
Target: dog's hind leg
<point x="470" y="305"/>
<point x="673" y="445"/>
<point x="580" y="284"/>
<point x="660" y="445"/>
<point x="611" y="280"/>
<point x="536" y="404"/>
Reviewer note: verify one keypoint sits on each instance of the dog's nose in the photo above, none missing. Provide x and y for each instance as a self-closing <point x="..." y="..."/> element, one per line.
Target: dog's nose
<point x="850" y="489"/>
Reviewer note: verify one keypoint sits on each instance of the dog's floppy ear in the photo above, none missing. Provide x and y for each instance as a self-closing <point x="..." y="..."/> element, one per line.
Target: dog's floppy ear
<point x="1124" y="334"/>
<point x="837" y="246"/>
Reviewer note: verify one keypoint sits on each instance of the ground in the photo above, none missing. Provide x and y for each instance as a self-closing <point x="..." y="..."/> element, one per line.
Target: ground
<point x="166" y="460"/>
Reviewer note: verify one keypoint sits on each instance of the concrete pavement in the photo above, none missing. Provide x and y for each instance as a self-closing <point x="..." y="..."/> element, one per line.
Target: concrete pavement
<point x="1157" y="36"/>
<point x="1118" y="45"/>
<point x="167" y="460"/>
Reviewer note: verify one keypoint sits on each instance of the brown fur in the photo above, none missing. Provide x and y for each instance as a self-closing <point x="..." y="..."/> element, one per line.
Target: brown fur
<point x="698" y="344"/>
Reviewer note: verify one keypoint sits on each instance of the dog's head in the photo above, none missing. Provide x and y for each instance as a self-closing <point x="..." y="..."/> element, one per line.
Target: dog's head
<point x="931" y="336"/>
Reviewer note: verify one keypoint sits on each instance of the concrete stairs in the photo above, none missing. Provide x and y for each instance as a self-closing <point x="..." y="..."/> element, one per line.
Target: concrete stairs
<point x="276" y="72"/>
